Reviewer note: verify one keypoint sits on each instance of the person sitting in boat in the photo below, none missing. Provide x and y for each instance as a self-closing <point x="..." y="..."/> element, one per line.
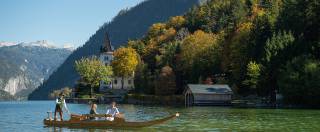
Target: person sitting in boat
<point x="112" y="111"/>
<point x="93" y="110"/>
<point x="60" y="103"/>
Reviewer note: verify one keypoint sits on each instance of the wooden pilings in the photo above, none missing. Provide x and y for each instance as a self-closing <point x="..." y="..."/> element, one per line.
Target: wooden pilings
<point x="188" y="98"/>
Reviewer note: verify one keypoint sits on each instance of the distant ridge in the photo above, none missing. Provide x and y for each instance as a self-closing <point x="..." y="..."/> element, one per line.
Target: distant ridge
<point x="24" y="66"/>
<point x="39" y="43"/>
<point x="128" y="24"/>
<point x="4" y="43"/>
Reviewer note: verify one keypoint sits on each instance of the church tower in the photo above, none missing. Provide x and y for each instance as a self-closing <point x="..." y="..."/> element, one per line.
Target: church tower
<point x="106" y="51"/>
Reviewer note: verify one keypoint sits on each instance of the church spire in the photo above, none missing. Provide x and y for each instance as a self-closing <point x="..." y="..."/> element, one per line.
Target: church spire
<point x="107" y="47"/>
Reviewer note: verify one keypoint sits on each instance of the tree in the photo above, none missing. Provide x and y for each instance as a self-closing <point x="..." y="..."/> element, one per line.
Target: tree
<point x="92" y="71"/>
<point x="235" y="53"/>
<point x="144" y="80"/>
<point x="156" y="29"/>
<point x="261" y="31"/>
<point x="194" y="45"/>
<point x="66" y="91"/>
<point x="176" y="22"/>
<point x="198" y="54"/>
<point x="302" y="18"/>
<point x="166" y="84"/>
<point x="253" y="74"/>
<point x="299" y="81"/>
<point x="181" y="34"/>
<point x="168" y="55"/>
<point x="217" y="15"/>
<point x="276" y="44"/>
<point x="125" y="62"/>
<point x="138" y="45"/>
<point x="276" y="54"/>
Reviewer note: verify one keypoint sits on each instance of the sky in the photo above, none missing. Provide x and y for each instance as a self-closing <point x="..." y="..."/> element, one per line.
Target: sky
<point x="63" y="22"/>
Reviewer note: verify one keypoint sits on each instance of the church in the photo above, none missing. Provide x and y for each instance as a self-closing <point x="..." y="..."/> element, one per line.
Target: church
<point x="106" y="56"/>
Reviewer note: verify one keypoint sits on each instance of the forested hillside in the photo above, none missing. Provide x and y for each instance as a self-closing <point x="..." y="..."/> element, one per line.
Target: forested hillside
<point x="128" y="24"/>
<point x="259" y="47"/>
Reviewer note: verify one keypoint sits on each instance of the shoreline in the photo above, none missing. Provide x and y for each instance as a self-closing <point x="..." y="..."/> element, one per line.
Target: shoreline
<point x="178" y="101"/>
<point x="179" y="106"/>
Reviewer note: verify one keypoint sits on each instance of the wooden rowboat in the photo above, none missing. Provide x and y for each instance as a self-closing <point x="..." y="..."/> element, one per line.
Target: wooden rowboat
<point x="83" y="121"/>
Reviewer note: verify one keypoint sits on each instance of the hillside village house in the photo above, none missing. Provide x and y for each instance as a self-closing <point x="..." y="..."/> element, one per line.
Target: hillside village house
<point x="106" y="56"/>
<point x="204" y="94"/>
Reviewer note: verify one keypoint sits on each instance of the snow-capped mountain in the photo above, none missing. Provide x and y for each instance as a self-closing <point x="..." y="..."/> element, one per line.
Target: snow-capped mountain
<point x="39" y="43"/>
<point x="4" y="43"/>
<point x="24" y="66"/>
<point x="69" y="47"/>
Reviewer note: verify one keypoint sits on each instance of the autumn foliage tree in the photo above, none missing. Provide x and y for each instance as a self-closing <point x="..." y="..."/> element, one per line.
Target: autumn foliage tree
<point x="198" y="52"/>
<point x="165" y="84"/>
<point x="156" y="29"/>
<point x="124" y="63"/>
<point x="176" y="22"/>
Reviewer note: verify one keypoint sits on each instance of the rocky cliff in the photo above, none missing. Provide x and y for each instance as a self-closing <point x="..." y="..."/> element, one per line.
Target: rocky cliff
<point x="24" y="66"/>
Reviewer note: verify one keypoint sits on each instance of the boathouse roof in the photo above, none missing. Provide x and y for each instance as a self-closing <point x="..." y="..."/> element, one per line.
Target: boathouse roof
<point x="210" y="89"/>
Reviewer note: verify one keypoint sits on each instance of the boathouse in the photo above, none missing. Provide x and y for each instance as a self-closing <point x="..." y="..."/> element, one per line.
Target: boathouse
<point x="203" y="94"/>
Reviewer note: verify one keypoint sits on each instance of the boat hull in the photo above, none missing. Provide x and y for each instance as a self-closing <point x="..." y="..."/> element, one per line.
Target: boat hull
<point x="104" y="123"/>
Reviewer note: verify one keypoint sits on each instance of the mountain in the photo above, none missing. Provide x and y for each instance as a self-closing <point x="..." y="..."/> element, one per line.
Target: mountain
<point x="4" y="96"/>
<point x="128" y="24"/>
<point x="4" y="43"/>
<point x="24" y="66"/>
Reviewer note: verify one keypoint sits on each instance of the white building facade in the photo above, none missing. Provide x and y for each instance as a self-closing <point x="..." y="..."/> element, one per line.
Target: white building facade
<point x="106" y="56"/>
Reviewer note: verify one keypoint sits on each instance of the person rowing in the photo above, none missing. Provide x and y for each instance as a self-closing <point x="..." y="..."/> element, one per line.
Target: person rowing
<point x="60" y="104"/>
<point x="93" y="110"/>
<point x="112" y="111"/>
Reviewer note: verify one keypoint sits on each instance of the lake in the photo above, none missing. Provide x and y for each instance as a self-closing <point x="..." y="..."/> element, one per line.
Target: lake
<point x="28" y="116"/>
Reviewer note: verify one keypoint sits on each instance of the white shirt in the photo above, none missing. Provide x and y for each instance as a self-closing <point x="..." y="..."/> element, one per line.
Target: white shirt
<point x="113" y="111"/>
<point x="63" y="104"/>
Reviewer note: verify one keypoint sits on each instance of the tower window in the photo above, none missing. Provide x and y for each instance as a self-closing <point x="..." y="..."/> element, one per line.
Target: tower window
<point x="115" y="81"/>
<point x="129" y="81"/>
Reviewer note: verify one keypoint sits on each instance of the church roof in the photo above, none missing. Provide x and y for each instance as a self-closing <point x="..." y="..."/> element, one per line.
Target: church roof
<point x="106" y="47"/>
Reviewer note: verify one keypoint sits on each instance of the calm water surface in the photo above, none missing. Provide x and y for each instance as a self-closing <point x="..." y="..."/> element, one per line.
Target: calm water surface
<point x="27" y="116"/>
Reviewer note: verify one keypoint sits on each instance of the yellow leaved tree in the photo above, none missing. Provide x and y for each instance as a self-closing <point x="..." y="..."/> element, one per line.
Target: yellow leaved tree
<point x="176" y="22"/>
<point x="195" y="45"/>
<point x="124" y="63"/>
